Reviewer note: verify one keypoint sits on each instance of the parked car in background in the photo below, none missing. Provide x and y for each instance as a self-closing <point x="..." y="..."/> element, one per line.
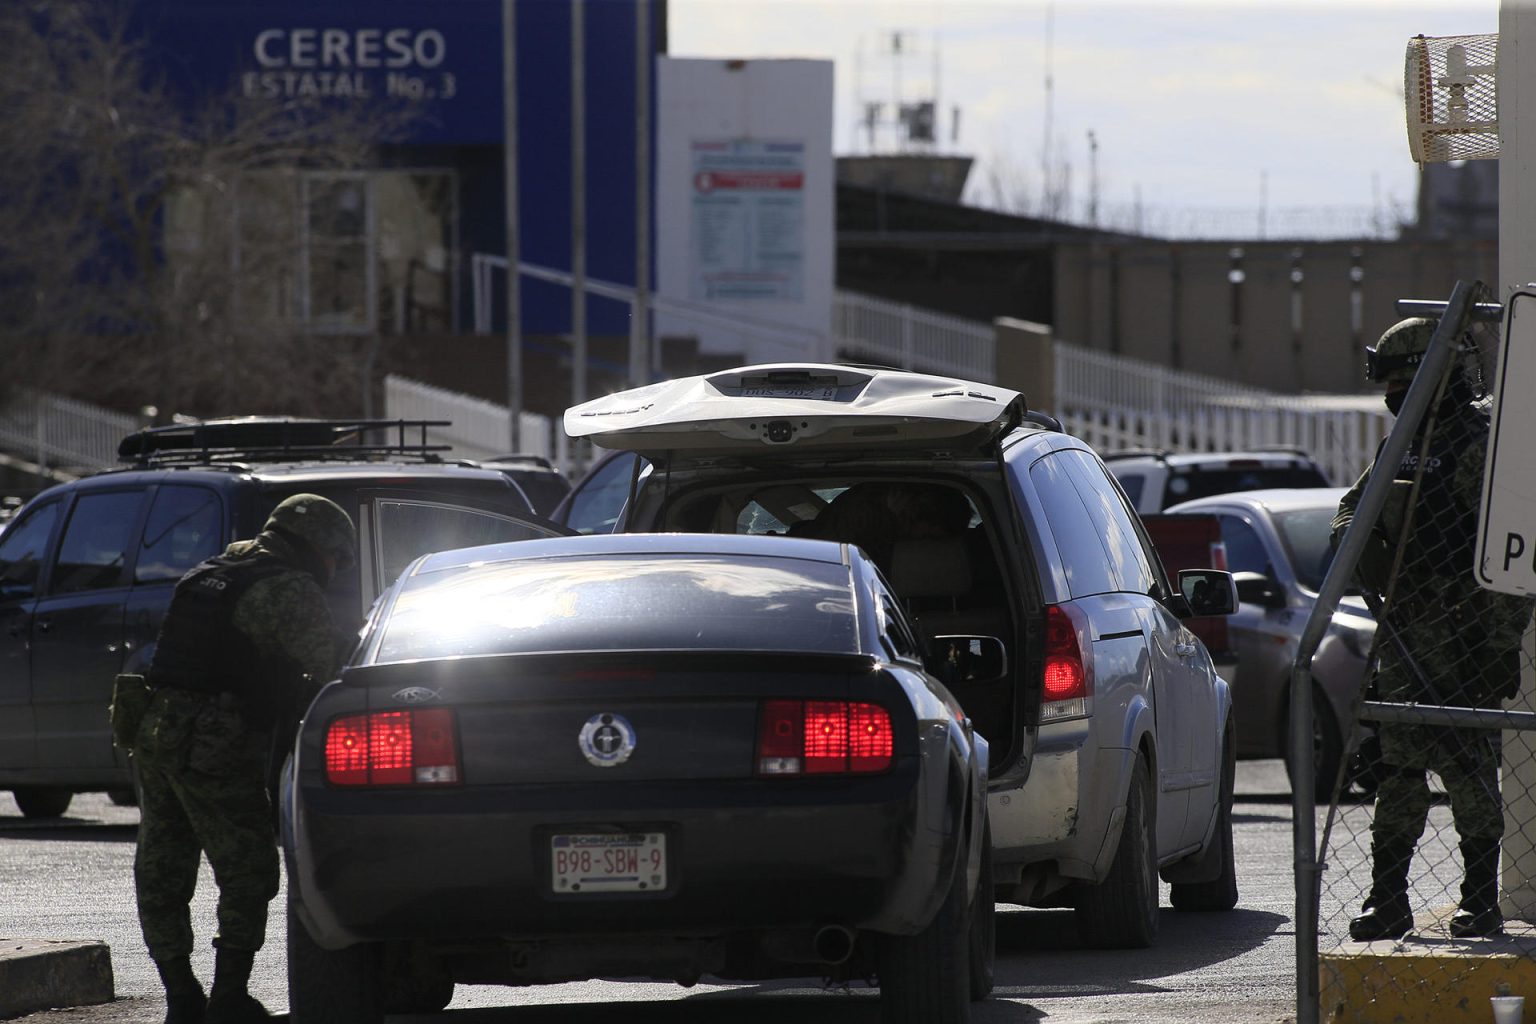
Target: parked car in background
<point x="87" y="567"/>
<point x="1156" y="479"/>
<point x="1277" y="546"/>
<point x="632" y="755"/>
<point x="987" y="520"/>
<point x="540" y="481"/>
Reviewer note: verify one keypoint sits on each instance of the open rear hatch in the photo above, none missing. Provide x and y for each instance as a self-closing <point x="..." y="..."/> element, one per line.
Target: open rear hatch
<point x="798" y="406"/>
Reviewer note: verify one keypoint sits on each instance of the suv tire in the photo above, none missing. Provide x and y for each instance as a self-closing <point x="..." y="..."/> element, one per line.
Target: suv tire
<point x="1327" y="749"/>
<point x="326" y="986"/>
<point x="1121" y="912"/>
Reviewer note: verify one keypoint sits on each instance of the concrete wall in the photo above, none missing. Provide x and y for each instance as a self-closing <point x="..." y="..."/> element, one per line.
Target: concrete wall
<point x="1282" y="315"/>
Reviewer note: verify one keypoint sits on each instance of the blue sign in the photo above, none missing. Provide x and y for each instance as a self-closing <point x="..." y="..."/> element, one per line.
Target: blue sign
<point x="440" y="63"/>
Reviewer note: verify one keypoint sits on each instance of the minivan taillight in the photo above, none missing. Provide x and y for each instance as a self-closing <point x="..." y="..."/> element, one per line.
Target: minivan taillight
<point x="822" y="737"/>
<point x="1067" y="684"/>
<point x="416" y="747"/>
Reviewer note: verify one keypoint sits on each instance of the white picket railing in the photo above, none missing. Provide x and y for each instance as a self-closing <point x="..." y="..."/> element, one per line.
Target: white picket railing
<point x="61" y="433"/>
<point x="478" y="429"/>
<point x="1113" y="402"/>
<point x="896" y="334"/>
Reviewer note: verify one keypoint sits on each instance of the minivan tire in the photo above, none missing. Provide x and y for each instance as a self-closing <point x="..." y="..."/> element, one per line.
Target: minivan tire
<point x="326" y="986"/>
<point x="1327" y="749"/>
<point x="1220" y="893"/>
<point x="42" y="801"/>
<point x="1121" y="912"/>
<point x="926" y="978"/>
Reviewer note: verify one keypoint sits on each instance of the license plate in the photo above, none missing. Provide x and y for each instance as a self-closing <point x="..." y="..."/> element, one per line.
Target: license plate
<point x="605" y="862"/>
<point x="812" y="392"/>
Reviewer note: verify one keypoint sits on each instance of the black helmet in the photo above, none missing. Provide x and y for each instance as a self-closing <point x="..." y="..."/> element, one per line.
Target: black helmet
<point x="320" y="522"/>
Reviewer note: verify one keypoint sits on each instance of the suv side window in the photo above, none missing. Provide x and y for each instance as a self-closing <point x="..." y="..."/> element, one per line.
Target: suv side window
<point x="1078" y="544"/>
<point x="600" y="499"/>
<point x="96" y="541"/>
<point x="22" y="549"/>
<point x="1109" y="516"/>
<point x="184" y="528"/>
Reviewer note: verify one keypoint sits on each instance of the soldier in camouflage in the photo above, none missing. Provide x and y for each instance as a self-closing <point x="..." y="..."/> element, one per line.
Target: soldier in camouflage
<point x="1444" y="640"/>
<point x="245" y="634"/>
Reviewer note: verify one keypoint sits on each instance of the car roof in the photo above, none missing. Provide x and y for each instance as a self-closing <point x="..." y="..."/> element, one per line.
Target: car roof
<point x="1274" y="499"/>
<point x="647" y="544"/>
<point x="793" y="406"/>
<point x="1267" y="457"/>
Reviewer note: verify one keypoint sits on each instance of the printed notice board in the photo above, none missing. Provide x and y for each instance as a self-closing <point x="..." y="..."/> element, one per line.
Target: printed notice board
<point x="748" y="215"/>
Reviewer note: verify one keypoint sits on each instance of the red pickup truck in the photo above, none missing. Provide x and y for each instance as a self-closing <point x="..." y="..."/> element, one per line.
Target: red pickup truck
<point x="1193" y="541"/>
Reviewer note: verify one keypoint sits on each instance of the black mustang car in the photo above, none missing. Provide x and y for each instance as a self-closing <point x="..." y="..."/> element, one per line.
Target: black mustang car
<point x="659" y="755"/>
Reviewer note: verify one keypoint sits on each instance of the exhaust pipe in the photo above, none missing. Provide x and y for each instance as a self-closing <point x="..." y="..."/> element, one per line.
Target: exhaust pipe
<point x="833" y="944"/>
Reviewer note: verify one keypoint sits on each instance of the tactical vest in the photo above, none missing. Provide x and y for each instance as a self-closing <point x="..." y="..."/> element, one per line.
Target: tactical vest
<point x="199" y="648"/>
<point x="1444" y="521"/>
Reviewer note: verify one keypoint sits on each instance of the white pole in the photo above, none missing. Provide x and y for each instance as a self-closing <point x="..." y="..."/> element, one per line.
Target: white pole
<point x="509" y="161"/>
<point x="1517" y="266"/>
<point x="639" y="325"/>
<point x="578" y="204"/>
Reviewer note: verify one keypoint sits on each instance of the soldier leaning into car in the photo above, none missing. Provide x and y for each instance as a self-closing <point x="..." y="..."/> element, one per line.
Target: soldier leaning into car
<point x="243" y="630"/>
<point x="1444" y="640"/>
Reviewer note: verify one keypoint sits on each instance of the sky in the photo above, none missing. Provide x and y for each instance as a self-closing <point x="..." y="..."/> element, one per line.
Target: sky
<point x="1205" y="115"/>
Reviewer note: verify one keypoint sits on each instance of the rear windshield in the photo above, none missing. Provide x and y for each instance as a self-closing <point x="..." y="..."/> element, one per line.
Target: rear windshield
<point x="1188" y="484"/>
<point x="630" y="602"/>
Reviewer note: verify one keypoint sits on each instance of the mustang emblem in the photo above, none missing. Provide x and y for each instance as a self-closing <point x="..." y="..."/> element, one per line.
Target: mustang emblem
<point x="607" y="740"/>
<point x="414" y="695"/>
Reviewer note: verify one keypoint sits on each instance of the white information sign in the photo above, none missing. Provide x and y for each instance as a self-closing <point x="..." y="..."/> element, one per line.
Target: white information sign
<point x="1506" y="530"/>
<point x="748" y="213"/>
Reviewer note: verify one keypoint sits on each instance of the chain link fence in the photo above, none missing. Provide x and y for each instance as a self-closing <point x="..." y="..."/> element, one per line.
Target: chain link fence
<point x="1403" y="870"/>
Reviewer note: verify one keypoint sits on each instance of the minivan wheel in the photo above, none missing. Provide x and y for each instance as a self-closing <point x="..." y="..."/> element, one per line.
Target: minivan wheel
<point x="326" y="986"/>
<point x="926" y="978"/>
<point x="1220" y="893"/>
<point x="1121" y="912"/>
<point x="42" y="801"/>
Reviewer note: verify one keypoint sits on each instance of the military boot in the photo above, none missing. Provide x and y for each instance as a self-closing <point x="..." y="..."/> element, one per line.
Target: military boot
<point x="229" y="1001"/>
<point x="1386" y="913"/>
<point x="184" y="999"/>
<point x="1479" y="916"/>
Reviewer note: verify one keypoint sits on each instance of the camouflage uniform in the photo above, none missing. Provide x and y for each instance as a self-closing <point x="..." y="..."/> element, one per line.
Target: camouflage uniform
<point x="202" y="749"/>
<point x="1464" y="644"/>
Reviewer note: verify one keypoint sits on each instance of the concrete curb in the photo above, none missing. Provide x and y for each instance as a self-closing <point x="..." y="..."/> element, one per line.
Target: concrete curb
<point x="1426" y="977"/>
<point x="42" y="974"/>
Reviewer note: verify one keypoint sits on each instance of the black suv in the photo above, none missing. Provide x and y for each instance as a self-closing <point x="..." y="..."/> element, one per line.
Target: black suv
<point x="87" y="567"/>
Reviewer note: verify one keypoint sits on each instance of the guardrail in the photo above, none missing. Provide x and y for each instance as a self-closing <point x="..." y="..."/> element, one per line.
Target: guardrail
<point x="61" y="433"/>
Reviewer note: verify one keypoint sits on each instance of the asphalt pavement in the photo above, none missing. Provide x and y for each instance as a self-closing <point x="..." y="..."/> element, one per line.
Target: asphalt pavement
<point x="72" y="879"/>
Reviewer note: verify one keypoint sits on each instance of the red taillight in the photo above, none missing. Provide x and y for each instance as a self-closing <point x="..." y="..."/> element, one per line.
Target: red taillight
<point x="1066" y="675"/>
<point x="820" y="737"/>
<point x="393" y="748"/>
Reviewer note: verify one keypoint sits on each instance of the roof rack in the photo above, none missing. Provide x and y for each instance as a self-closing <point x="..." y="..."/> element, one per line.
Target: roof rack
<point x="279" y="439"/>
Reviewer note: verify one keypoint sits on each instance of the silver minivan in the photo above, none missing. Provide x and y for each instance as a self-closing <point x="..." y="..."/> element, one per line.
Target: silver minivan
<point x="1111" y="734"/>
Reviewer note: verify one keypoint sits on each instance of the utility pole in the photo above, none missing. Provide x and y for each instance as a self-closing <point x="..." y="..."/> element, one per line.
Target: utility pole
<point x="639" y="312"/>
<point x="578" y="203"/>
<point x="1093" y="179"/>
<point x="509" y="162"/>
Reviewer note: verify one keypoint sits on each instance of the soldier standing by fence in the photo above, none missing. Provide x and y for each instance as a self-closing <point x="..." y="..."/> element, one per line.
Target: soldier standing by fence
<point x="1442" y="640"/>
